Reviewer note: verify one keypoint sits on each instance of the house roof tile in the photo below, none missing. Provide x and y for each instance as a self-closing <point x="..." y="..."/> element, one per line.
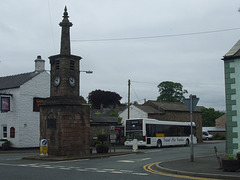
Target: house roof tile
<point x="15" y="81"/>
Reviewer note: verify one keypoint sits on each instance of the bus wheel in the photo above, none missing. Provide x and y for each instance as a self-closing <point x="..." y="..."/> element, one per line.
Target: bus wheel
<point x="187" y="143"/>
<point x="159" y="143"/>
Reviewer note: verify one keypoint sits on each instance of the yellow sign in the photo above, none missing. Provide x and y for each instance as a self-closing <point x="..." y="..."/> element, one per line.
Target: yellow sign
<point x="160" y="135"/>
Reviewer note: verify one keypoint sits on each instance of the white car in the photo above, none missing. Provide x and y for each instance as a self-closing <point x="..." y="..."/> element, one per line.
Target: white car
<point x="206" y="135"/>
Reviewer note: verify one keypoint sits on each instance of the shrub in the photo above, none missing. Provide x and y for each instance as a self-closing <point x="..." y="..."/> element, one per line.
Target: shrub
<point x="102" y="148"/>
<point x="102" y="137"/>
<point x="6" y="145"/>
<point x="229" y="157"/>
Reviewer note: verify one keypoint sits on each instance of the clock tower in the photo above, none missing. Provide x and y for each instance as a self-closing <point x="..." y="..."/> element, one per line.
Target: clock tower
<point x="65" y="67"/>
<point x="64" y="116"/>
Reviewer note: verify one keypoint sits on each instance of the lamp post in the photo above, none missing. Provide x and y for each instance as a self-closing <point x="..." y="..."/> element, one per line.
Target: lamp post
<point x="87" y="72"/>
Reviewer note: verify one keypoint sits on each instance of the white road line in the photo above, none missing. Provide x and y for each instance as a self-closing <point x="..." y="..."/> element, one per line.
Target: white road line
<point x="153" y="151"/>
<point x="116" y="172"/>
<point x="126" y="161"/>
<point x="142" y="174"/>
<point x="126" y="171"/>
<point x="81" y="169"/>
<point x="144" y="159"/>
<point x="109" y="169"/>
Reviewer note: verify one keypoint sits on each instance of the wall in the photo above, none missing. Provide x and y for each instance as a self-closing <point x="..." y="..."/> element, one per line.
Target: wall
<point x="21" y="116"/>
<point x="134" y="113"/>
<point x="232" y="89"/>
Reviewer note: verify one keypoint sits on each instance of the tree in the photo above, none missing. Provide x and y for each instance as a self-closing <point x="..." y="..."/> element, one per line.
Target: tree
<point x="209" y="115"/>
<point x="105" y="98"/>
<point x="171" y="91"/>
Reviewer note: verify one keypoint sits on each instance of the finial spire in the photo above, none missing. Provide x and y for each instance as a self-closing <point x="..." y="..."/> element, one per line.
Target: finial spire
<point x="65" y="39"/>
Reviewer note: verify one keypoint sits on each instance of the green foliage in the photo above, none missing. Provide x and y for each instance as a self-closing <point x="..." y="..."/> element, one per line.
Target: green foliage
<point x="119" y="120"/>
<point x="113" y="114"/>
<point x="218" y="137"/>
<point x="102" y="137"/>
<point x="171" y="91"/>
<point x="6" y="145"/>
<point x="102" y="148"/>
<point x="229" y="157"/>
<point x="209" y="115"/>
<point x="105" y="98"/>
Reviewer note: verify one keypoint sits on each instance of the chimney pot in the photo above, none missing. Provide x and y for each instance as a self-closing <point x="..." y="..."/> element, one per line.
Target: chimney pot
<point x="39" y="64"/>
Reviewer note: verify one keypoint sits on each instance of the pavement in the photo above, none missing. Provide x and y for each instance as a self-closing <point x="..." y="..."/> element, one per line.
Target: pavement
<point x="202" y="166"/>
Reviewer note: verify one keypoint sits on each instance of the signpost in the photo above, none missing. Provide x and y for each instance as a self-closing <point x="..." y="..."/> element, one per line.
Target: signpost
<point x="43" y="147"/>
<point x="112" y="136"/>
<point x="191" y="103"/>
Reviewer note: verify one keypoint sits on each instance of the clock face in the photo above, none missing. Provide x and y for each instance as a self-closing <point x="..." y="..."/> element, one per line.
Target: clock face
<point x="56" y="81"/>
<point x="72" y="81"/>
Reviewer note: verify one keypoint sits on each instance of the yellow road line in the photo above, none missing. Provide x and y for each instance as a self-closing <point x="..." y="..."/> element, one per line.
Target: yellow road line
<point x="148" y="168"/>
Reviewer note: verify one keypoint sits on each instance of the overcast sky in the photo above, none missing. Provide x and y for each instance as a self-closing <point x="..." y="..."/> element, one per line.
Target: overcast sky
<point x="146" y="41"/>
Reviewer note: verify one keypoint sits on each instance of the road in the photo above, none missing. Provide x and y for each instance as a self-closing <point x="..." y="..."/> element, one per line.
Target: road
<point x="13" y="167"/>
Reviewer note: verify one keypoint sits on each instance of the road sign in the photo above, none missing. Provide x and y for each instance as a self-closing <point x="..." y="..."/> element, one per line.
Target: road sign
<point x="188" y="104"/>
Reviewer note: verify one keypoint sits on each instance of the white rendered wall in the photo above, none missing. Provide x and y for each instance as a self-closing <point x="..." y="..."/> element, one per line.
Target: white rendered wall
<point x="21" y="116"/>
<point x="134" y="113"/>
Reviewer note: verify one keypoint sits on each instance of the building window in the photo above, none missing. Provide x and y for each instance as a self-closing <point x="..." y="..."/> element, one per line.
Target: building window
<point x="4" y="132"/>
<point x="5" y="104"/>
<point x="36" y="103"/>
<point x="12" y="132"/>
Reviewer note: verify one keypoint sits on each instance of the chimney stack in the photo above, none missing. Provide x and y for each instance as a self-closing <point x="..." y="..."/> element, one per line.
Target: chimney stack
<point x="39" y="64"/>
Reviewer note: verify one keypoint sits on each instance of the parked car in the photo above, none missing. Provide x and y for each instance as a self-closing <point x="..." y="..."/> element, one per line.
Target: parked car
<point x="206" y="135"/>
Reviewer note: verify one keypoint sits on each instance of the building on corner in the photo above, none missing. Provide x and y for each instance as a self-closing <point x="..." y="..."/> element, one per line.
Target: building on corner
<point x="20" y="97"/>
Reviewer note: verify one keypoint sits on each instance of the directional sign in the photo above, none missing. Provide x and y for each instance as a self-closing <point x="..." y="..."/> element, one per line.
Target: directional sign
<point x="194" y="103"/>
<point x="44" y="142"/>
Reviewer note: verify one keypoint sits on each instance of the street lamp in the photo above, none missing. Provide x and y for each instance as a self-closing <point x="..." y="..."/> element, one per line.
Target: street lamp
<point x="87" y="72"/>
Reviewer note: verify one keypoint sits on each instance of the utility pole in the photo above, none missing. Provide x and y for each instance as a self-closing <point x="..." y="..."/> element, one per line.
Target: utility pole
<point x="129" y="83"/>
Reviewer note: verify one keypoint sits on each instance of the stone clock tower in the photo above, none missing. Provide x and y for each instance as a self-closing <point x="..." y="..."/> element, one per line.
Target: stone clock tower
<point x="64" y="118"/>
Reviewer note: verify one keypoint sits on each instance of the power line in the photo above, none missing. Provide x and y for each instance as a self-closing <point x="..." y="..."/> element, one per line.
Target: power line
<point x="49" y="11"/>
<point x="158" y="36"/>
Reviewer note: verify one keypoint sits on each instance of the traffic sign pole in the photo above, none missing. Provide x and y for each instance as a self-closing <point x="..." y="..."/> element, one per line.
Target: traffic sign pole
<point x="191" y="103"/>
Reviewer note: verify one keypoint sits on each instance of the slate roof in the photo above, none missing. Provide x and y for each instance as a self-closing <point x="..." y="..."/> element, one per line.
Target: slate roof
<point x="15" y="81"/>
<point x="148" y="109"/>
<point x="171" y="106"/>
<point x="234" y="52"/>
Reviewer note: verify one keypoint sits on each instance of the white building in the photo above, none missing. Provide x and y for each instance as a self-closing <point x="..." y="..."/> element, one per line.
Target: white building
<point x="137" y="111"/>
<point x="20" y="96"/>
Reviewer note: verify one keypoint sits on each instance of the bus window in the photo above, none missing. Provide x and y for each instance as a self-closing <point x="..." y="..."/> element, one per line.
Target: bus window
<point x="134" y="124"/>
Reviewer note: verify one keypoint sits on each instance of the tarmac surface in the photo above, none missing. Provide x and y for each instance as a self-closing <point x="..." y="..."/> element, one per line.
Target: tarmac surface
<point x="204" y="166"/>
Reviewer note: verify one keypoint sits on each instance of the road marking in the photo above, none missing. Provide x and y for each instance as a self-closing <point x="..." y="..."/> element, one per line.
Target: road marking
<point x="153" y="151"/>
<point x="82" y="170"/>
<point x="142" y="174"/>
<point x="47" y="166"/>
<point x="133" y="160"/>
<point x="126" y="161"/>
<point x="148" y="168"/>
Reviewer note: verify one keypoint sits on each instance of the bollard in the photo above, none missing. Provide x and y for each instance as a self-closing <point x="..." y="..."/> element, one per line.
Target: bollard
<point x="218" y="158"/>
<point x="135" y="145"/>
<point x="43" y="148"/>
